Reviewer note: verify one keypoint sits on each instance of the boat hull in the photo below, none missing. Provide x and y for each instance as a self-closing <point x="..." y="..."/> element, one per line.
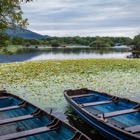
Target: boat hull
<point x="21" y="119"/>
<point x="100" y="125"/>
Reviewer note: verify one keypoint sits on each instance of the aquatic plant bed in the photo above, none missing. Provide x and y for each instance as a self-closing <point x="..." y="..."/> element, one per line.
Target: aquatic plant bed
<point x="43" y="82"/>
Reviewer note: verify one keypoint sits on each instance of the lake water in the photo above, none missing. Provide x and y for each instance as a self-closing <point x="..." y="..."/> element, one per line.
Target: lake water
<point x="70" y="52"/>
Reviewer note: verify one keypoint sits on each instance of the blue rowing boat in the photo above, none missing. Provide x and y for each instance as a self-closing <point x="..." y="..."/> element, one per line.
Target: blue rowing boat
<point x="22" y="120"/>
<point x="114" y="117"/>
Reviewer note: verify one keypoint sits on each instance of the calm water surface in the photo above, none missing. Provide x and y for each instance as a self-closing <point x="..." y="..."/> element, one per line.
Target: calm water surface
<point x="70" y="52"/>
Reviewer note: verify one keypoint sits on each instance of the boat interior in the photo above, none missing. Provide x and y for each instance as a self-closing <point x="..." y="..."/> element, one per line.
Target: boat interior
<point x="21" y="120"/>
<point x="122" y="113"/>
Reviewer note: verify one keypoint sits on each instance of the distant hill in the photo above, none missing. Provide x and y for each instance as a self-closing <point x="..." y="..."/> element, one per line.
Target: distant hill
<point x="26" y="34"/>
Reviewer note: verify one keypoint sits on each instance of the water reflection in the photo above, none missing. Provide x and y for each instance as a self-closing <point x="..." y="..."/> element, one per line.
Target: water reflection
<point x="69" y="50"/>
<point x="44" y="53"/>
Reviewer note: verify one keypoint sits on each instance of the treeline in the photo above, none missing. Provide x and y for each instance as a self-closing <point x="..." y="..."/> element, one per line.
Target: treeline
<point x="90" y="41"/>
<point x="135" y="43"/>
<point x="62" y="41"/>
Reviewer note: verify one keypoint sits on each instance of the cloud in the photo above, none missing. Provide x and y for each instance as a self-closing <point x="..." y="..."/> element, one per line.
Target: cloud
<point x="84" y="17"/>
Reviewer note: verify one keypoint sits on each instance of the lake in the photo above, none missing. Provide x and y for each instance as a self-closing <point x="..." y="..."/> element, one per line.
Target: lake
<point x="70" y="52"/>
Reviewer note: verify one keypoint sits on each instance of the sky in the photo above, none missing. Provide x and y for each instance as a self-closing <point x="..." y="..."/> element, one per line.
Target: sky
<point x="83" y="17"/>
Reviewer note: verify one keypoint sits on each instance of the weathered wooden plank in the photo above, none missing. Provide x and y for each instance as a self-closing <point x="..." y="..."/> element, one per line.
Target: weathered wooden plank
<point x="83" y="95"/>
<point x="9" y="108"/>
<point x="16" y="119"/>
<point x="10" y="128"/>
<point x="96" y="103"/>
<point x="27" y="133"/>
<point x="133" y="129"/>
<point x="6" y="129"/>
<point x="117" y="113"/>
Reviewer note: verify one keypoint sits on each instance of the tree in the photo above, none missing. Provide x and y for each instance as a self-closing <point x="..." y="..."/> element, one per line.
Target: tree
<point x="102" y="42"/>
<point x="10" y="17"/>
<point x="55" y="43"/>
<point x="136" y="42"/>
<point x="33" y="41"/>
<point x="18" y="41"/>
<point x="4" y="38"/>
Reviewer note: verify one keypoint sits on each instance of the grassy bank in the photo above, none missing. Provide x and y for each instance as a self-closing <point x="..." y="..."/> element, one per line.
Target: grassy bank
<point x="43" y="82"/>
<point x="9" y="49"/>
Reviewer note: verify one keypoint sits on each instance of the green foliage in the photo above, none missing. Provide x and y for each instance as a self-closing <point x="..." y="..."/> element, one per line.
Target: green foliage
<point x="33" y="41"/>
<point x="121" y="40"/>
<point x="43" y="82"/>
<point x="55" y="43"/>
<point x="27" y="44"/>
<point x="88" y="41"/>
<point x="136" y="42"/>
<point x="11" y="17"/>
<point x="4" y="39"/>
<point x="102" y="42"/>
<point x="18" y="41"/>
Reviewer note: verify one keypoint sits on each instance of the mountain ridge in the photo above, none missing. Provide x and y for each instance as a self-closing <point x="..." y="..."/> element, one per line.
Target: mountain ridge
<point x="25" y="33"/>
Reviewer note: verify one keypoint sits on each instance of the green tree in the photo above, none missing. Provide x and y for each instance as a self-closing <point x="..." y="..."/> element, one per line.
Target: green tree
<point x="33" y="41"/>
<point x="10" y="17"/>
<point x="102" y="42"/>
<point x="18" y="41"/>
<point x="136" y="42"/>
<point x="4" y="38"/>
<point x="54" y="43"/>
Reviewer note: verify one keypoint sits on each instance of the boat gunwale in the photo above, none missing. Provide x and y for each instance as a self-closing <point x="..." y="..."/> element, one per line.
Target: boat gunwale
<point x="96" y="117"/>
<point x="51" y="116"/>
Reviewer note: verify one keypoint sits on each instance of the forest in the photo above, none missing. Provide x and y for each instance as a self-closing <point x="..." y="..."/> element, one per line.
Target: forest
<point x="64" y="41"/>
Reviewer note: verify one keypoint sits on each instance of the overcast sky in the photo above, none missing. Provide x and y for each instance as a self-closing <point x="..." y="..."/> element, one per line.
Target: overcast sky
<point x="84" y="17"/>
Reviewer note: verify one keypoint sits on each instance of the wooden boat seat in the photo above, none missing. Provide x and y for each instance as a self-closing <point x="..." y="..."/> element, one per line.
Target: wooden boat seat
<point x="133" y="129"/>
<point x="101" y="102"/>
<point x="117" y="113"/>
<point x="54" y="125"/>
<point x="21" y="118"/>
<point x="15" y="119"/>
<point x="27" y="133"/>
<point x="23" y="104"/>
<point x="83" y="95"/>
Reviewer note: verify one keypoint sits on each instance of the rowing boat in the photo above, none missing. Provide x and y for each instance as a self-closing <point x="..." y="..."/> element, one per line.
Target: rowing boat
<point x="114" y="117"/>
<point x="22" y="120"/>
